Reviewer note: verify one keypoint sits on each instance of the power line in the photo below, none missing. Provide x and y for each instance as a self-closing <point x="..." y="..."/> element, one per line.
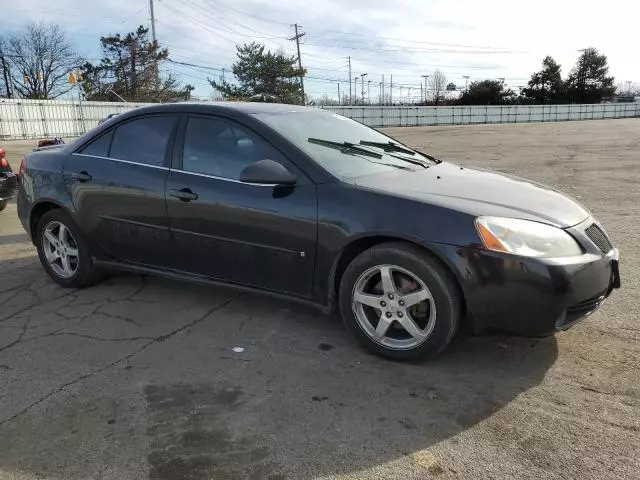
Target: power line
<point x="416" y="50"/>
<point x="218" y="21"/>
<point x="195" y="21"/>
<point x="193" y="65"/>
<point x="247" y="14"/>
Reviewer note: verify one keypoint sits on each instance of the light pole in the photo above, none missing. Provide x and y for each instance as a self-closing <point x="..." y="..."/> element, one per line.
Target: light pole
<point x="466" y="82"/>
<point x="369" y="92"/>
<point x="362" y="75"/>
<point x="355" y="89"/>
<point x="426" y="77"/>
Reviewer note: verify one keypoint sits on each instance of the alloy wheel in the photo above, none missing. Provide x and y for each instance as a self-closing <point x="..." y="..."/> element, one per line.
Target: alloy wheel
<point x="393" y="306"/>
<point x="60" y="249"/>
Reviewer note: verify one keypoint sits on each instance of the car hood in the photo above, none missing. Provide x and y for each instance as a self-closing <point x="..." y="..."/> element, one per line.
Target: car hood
<point x="479" y="192"/>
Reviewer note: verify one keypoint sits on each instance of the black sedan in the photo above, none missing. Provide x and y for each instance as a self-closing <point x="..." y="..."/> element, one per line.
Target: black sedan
<point x="310" y="205"/>
<point x="7" y="181"/>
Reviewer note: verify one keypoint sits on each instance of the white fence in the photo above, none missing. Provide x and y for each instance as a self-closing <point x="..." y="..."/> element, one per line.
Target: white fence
<point x="51" y="118"/>
<point x="65" y="118"/>
<point x="408" y="116"/>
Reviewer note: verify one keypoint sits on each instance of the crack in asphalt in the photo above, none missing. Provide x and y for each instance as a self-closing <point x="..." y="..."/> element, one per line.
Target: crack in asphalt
<point x="17" y="287"/>
<point x="154" y="340"/>
<point x="25" y="327"/>
<point x="100" y="339"/>
<point x="35" y="304"/>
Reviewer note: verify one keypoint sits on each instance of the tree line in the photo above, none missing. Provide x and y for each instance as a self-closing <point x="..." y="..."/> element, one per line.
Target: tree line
<point x="588" y="82"/>
<point x="39" y="62"/>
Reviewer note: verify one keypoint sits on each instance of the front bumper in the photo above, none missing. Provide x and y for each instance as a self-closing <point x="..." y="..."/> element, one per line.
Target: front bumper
<point x="535" y="297"/>
<point x="8" y="184"/>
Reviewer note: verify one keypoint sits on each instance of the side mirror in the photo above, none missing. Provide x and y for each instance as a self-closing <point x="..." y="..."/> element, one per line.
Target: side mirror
<point x="267" y="172"/>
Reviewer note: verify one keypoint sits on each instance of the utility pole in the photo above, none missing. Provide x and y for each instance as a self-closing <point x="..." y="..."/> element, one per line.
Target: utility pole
<point x="155" y="44"/>
<point x="426" y="78"/>
<point x="339" y="100"/>
<point x="355" y="89"/>
<point x="350" y="98"/>
<point x="362" y="75"/>
<point x="382" y="98"/>
<point x="5" y="70"/>
<point x="391" y="91"/>
<point x="223" y="82"/>
<point x="380" y="93"/>
<point x="297" y="38"/>
<point x="421" y="94"/>
<point x="369" y="91"/>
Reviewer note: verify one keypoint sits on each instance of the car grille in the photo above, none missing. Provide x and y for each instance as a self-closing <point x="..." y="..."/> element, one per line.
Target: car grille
<point x="597" y="236"/>
<point x="579" y="310"/>
<point x="587" y="305"/>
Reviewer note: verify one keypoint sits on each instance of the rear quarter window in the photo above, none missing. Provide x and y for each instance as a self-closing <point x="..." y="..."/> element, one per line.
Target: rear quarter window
<point x="100" y="146"/>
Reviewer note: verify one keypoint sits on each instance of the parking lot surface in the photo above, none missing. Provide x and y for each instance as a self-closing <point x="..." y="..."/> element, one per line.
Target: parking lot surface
<point x="141" y="377"/>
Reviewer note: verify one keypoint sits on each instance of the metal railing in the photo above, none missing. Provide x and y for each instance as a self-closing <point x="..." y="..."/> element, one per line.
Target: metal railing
<point x="67" y="118"/>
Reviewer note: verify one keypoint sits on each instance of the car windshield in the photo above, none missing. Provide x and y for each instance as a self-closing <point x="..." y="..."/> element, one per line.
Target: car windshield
<point x="340" y="144"/>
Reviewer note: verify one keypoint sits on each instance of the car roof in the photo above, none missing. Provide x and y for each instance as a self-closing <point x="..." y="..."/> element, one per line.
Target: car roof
<point x="219" y="107"/>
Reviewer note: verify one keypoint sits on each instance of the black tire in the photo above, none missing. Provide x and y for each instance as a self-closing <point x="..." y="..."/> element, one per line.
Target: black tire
<point x="3" y="204"/>
<point x="440" y="281"/>
<point x="87" y="274"/>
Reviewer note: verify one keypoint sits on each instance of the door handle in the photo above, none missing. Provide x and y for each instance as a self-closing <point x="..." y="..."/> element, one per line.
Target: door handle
<point x="185" y="194"/>
<point x="81" y="177"/>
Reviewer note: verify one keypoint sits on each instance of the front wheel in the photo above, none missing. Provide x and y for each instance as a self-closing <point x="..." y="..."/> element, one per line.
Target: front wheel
<point x="63" y="251"/>
<point x="400" y="302"/>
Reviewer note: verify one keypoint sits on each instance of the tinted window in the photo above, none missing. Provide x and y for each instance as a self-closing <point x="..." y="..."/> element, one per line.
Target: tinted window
<point x="143" y="140"/>
<point x="223" y="149"/>
<point x="100" y="146"/>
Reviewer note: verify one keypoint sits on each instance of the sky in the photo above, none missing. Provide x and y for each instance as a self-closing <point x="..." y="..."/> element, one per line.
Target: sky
<point x="407" y="39"/>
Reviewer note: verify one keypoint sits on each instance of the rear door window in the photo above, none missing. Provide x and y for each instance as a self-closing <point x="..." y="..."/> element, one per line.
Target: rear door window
<point x="143" y="140"/>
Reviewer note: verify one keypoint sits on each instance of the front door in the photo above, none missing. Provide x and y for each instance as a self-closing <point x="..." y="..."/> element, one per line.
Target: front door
<point x="257" y="235"/>
<point x="117" y="187"/>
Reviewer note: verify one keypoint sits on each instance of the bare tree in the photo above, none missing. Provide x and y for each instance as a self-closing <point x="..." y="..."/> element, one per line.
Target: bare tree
<point x="41" y="57"/>
<point x="438" y="85"/>
<point x="5" y="73"/>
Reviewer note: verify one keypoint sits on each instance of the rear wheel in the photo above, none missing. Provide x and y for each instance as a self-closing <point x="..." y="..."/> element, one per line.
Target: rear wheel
<point x="400" y="302"/>
<point x="63" y="251"/>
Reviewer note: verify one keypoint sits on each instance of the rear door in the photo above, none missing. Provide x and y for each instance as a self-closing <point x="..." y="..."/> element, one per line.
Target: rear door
<point x="117" y="187"/>
<point x="258" y="235"/>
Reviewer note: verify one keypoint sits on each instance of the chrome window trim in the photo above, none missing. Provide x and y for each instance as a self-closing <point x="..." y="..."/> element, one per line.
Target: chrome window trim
<point x="122" y="161"/>
<point x="233" y="180"/>
<point x="177" y="170"/>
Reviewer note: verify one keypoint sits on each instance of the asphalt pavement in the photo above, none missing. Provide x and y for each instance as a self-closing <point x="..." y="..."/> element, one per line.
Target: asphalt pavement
<point x="141" y="377"/>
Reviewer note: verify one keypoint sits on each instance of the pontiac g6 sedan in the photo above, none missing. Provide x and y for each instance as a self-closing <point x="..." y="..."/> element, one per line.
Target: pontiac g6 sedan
<point x="313" y="206"/>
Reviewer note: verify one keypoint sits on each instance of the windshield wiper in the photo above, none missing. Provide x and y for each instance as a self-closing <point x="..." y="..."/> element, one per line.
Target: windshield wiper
<point x="395" y="147"/>
<point x="388" y="147"/>
<point x="344" y="147"/>
<point x="351" y="149"/>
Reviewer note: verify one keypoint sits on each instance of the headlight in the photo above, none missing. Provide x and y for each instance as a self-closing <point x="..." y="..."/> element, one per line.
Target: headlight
<point x="522" y="237"/>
